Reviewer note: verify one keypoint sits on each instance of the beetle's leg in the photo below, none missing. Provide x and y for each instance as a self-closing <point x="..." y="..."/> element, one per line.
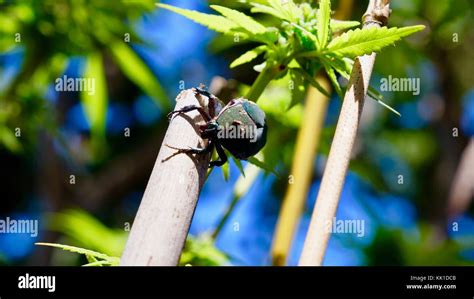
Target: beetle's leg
<point x="192" y="150"/>
<point x="203" y="92"/>
<point x="185" y="109"/>
<point x="222" y="156"/>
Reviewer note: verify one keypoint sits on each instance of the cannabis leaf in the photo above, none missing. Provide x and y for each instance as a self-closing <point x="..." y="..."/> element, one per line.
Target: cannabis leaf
<point x="324" y="16"/>
<point x="248" y="56"/>
<point x="365" y="41"/>
<point x="310" y="79"/>
<point x="241" y="19"/>
<point x="213" y="22"/>
<point x="92" y="256"/>
<point x="262" y="165"/>
<point x="284" y="10"/>
<point x="298" y="88"/>
<point x="337" y="25"/>
<point x="303" y="36"/>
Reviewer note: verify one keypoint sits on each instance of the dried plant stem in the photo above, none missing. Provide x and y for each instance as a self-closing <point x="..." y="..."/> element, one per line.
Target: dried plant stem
<point x="338" y="161"/>
<point x="164" y="216"/>
<point x="307" y="143"/>
<point x="302" y="168"/>
<point x="462" y="188"/>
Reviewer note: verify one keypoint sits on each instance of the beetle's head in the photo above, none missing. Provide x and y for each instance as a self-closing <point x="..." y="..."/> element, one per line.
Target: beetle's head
<point x="210" y="129"/>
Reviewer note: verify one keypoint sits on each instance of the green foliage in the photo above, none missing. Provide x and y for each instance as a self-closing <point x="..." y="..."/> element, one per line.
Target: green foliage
<point x="324" y="16"/>
<point x="304" y="35"/>
<point x="51" y="33"/>
<point x="248" y="56"/>
<point x="262" y="165"/>
<point x="95" y="104"/>
<point x="213" y="22"/>
<point x="85" y="230"/>
<point x="367" y="40"/>
<point x="95" y="258"/>
<point x="393" y="247"/>
<point x="337" y="25"/>
<point x="201" y="251"/>
<point x="106" y="244"/>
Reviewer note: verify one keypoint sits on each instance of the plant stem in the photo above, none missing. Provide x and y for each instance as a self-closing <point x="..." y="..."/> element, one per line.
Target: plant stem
<point x="263" y="79"/>
<point x="338" y="160"/>
<point x="462" y="187"/>
<point x="307" y="143"/>
<point x="301" y="171"/>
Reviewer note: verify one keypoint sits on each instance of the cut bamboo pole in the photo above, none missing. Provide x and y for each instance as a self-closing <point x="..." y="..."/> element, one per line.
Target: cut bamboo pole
<point x="305" y="150"/>
<point x="307" y="143"/>
<point x="462" y="188"/>
<point x="162" y="223"/>
<point x="339" y="155"/>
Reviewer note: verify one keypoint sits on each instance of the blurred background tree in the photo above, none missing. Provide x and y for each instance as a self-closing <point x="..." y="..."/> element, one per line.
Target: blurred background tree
<point x="66" y="134"/>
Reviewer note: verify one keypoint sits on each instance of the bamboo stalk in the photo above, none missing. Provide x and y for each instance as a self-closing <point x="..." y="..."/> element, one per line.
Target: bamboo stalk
<point x="338" y="161"/>
<point x="305" y="150"/>
<point x="462" y="188"/>
<point x="307" y="143"/>
<point x="164" y="216"/>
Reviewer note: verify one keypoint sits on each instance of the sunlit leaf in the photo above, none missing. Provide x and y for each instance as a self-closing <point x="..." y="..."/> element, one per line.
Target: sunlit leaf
<point x="332" y="76"/>
<point x="248" y="56"/>
<point x="311" y="80"/>
<point x="262" y="165"/>
<point x="92" y="255"/>
<point x="337" y="25"/>
<point x="297" y="87"/>
<point x="213" y="22"/>
<point x="95" y="101"/>
<point x="367" y="40"/>
<point x="240" y="19"/>
<point x="323" y="17"/>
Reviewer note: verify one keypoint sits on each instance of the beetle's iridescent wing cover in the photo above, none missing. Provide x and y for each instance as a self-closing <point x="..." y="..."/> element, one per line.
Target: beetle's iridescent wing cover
<point x="249" y="120"/>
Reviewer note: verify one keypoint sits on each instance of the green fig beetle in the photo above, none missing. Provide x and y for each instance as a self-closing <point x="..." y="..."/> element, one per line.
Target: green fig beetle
<point x="239" y="127"/>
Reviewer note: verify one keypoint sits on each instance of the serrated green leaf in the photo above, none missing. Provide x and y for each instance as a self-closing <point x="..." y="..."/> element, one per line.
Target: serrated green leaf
<point x="95" y="101"/>
<point x="262" y="165"/>
<point x="90" y="258"/>
<point x="367" y="40"/>
<point x="113" y="261"/>
<point x="87" y="231"/>
<point x="226" y="171"/>
<point x="202" y="251"/>
<point x="332" y="76"/>
<point x="298" y="89"/>
<point x="248" y="56"/>
<point x="99" y="264"/>
<point x="239" y="165"/>
<point x="344" y="67"/>
<point x="270" y="36"/>
<point x="260" y="8"/>
<point x="240" y="19"/>
<point x="306" y="38"/>
<point x="337" y="25"/>
<point x="376" y="96"/>
<point x="311" y="81"/>
<point x="287" y="9"/>
<point x="139" y="73"/>
<point x="213" y="22"/>
<point x="323" y="18"/>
